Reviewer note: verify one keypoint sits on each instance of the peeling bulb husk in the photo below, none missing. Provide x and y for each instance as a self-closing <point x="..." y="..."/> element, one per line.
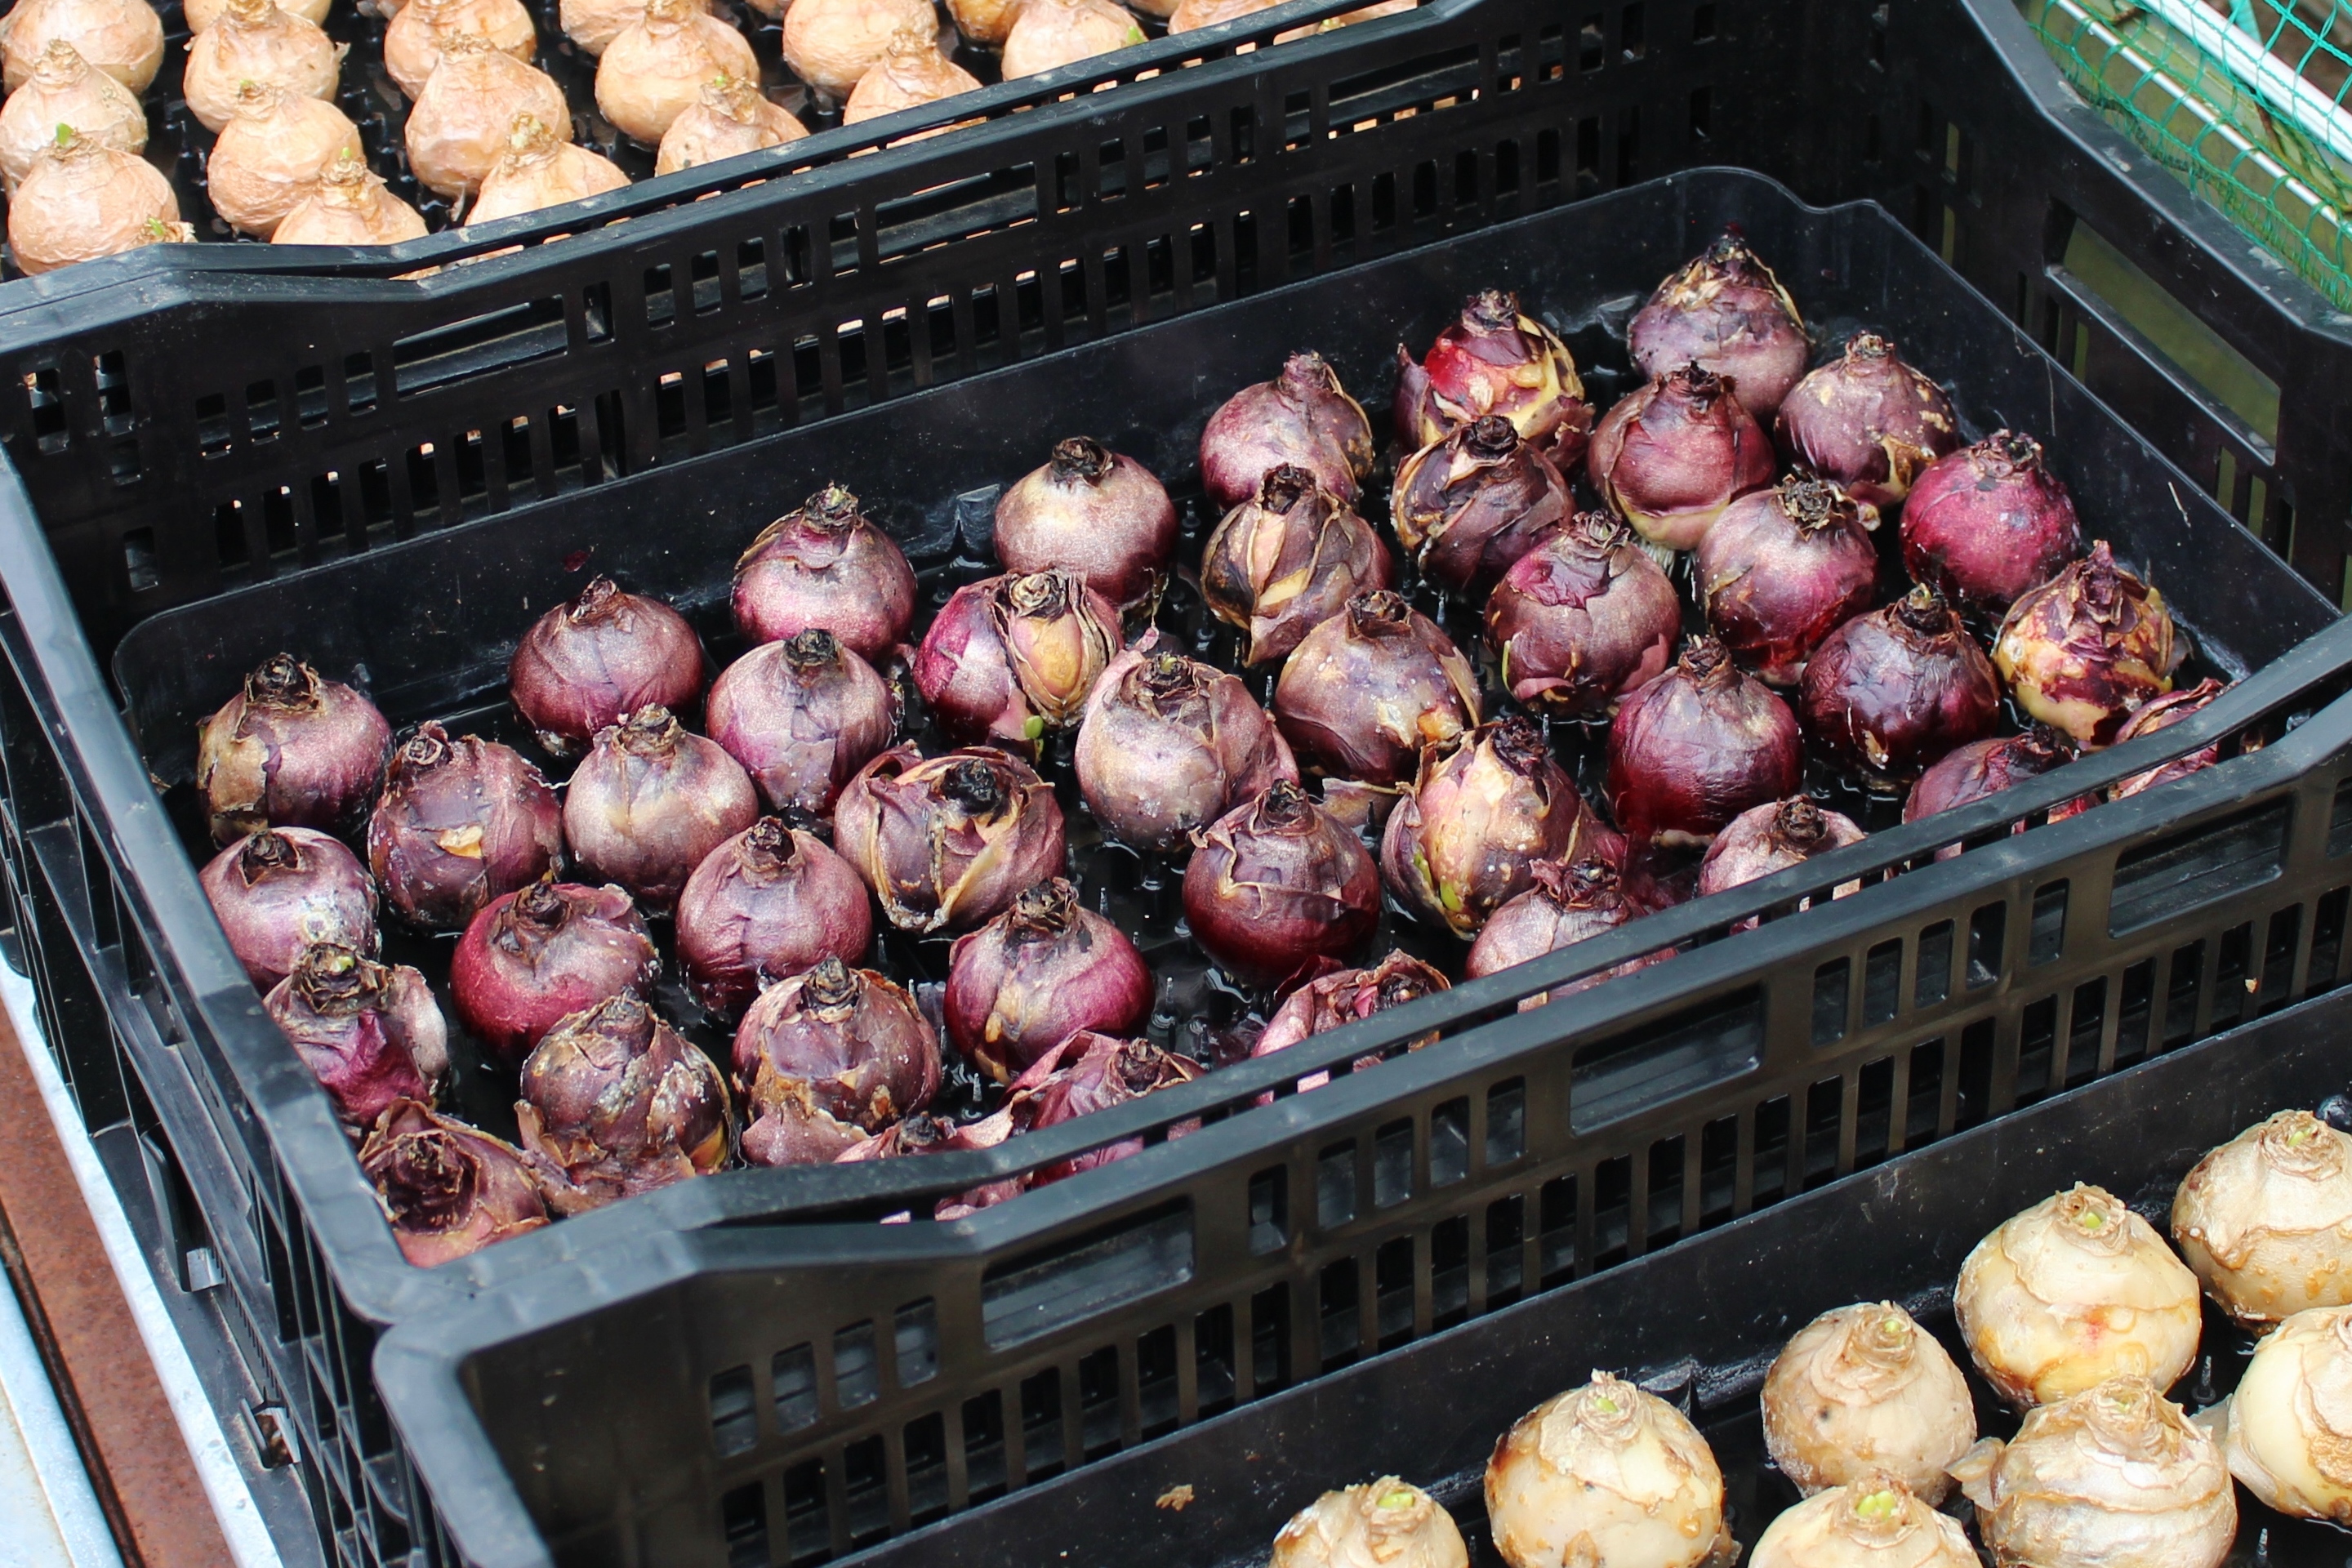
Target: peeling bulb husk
<point x="2266" y="1220"/>
<point x="1606" y="1473"/>
<point x="2074" y="1292"/>
<point x="1863" y="1392"/>
<point x="2115" y="1475"/>
<point x="1389" y="1523"/>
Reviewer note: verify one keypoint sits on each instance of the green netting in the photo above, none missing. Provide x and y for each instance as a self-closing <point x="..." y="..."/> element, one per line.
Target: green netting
<point x="2240" y="98"/>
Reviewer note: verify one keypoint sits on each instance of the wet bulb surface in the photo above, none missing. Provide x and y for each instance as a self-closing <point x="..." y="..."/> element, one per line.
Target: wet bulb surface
<point x="1197" y="1010"/>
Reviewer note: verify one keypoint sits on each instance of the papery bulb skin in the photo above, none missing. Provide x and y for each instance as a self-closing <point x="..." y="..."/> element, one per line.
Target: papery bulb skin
<point x="268" y="157"/>
<point x="948" y="843"/>
<point x="1281" y="563"/>
<point x="370" y="1033"/>
<point x="1090" y="1072"/>
<point x="655" y="67"/>
<point x="1967" y="773"/>
<point x="607" y="653"/>
<point x="290" y="750"/>
<point x="1277" y="882"/>
<point x="1888" y="693"/>
<point x="1038" y="973"/>
<point x="1725" y="311"/>
<point x="802" y="715"/>
<point x="349" y="203"/>
<point x="1671" y="455"/>
<point x="1169" y="744"/>
<point x="1050" y="34"/>
<point x="728" y="119"/>
<point x="2074" y="1292"/>
<point x="255" y="41"/>
<point x="124" y="38"/>
<point x="2162" y="713"/>
<point x="1366" y="691"/>
<point x="2266" y="1220"/>
<point x="911" y="73"/>
<point x="1873" y="1522"/>
<point x="2114" y="1477"/>
<point x="460" y="822"/>
<point x="593" y="25"/>
<point x="1987" y="523"/>
<point x="1865" y="1392"/>
<point x="850" y="1052"/>
<point x="458" y="128"/>
<point x="1773" y="838"/>
<point x="1782" y="569"/>
<point x="284" y="889"/>
<point x="770" y="902"/>
<point x="1469" y="506"/>
<point x="649" y="801"/>
<point x="541" y="169"/>
<point x="412" y="38"/>
<point x="783" y="1124"/>
<point x="535" y="957"/>
<point x="615" y="1102"/>
<point x="1583" y="619"/>
<point x="1570" y="902"/>
<point x="1008" y="658"/>
<point x="1094" y="512"/>
<point x="2086" y="649"/>
<point x="1302" y="419"/>
<point x="1495" y="361"/>
<point x="826" y="565"/>
<point x="65" y="89"/>
<point x="1348" y="996"/>
<point x="1607" y="1474"/>
<point x="2290" y="1421"/>
<point x="1868" y="422"/>
<point x="831" y="44"/>
<point x="448" y="1190"/>
<point x="82" y="199"/>
<point x="1386" y="1525"/>
<point x="1467" y="837"/>
<point x="1696" y="747"/>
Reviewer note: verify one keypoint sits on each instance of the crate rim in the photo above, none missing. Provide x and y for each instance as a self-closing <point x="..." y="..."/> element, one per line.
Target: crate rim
<point x="380" y="1283"/>
<point x="421" y="1367"/>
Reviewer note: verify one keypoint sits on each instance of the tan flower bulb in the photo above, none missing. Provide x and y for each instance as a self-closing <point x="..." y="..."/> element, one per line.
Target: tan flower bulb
<point x="2288" y="1429"/>
<point x="255" y="41"/>
<point x="2266" y="1220"/>
<point x="268" y="155"/>
<point x="1873" y="1523"/>
<point x="66" y="89"/>
<point x="459" y="126"/>
<point x="1606" y="1475"/>
<point x="350" y="205"/>
<point x="1864" y="1391"/>
<point x="540" y="171"/>
<point x="1387" y="1524"/>
<point x="2075" y="1291"/>
<point x="727" y="120"/>
<point x="2115" y="1477"/>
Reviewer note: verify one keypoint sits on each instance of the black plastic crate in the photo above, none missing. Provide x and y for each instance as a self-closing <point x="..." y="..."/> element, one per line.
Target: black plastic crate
<point x="125" y="387"/>
<point x="179" y="145"/>
<point x="218" y="417"/>
<point x="494" y="1400"/>
<point x="1953" y="992"/>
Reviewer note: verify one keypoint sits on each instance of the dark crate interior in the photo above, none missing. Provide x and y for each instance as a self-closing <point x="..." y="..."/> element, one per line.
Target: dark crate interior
<point x="426" y="627"/>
